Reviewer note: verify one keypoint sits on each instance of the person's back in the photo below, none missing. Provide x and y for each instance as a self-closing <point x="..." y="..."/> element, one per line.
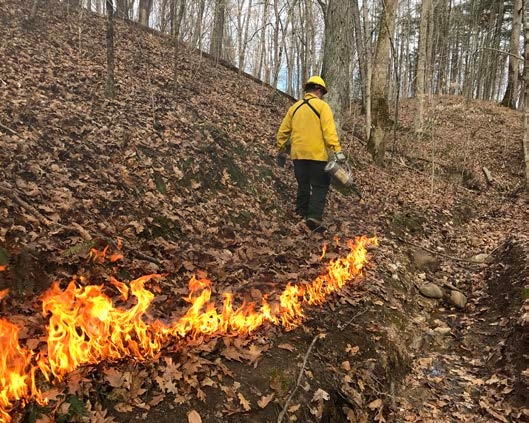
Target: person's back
<point x="309" y="128"/>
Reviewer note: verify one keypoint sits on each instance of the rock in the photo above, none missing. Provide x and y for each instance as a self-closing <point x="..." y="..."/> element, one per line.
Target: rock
<point x="431" y="290"/>
<point x="443" y="330"/>
<point x="457" y="299"/>
<point x="480" y="258"/>
<point x="424" y="260"/>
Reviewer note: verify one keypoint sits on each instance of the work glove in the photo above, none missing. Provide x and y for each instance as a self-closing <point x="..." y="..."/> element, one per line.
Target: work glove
<point x="340" y="157"/>
<point x="281" y="159"/>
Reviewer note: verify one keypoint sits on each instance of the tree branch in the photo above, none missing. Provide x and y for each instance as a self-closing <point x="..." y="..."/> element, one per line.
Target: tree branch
<point x="9" y="130"/>
<point x="287" y="403"/>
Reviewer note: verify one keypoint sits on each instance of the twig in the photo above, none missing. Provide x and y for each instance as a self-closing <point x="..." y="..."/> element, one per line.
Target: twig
<point x="10" y="130"/>
<point x="342" y="327"/>
<point x="145" y="257"/>
<point x="12" y="194"/>
<point x="287" y="403"/>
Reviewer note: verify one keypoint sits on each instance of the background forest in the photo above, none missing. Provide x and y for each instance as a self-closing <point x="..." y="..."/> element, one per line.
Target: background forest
<point x="372" y="53"/>
<point x="138" y="173"/>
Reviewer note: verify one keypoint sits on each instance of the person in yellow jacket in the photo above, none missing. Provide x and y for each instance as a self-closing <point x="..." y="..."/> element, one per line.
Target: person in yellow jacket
<point x="309" y="128"/>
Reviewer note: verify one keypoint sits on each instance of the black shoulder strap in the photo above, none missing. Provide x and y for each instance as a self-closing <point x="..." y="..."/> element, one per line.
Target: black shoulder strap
<point x="307" y="102"/>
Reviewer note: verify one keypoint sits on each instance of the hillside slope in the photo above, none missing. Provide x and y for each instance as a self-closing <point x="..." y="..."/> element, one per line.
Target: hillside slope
<point x="184" y="175"/>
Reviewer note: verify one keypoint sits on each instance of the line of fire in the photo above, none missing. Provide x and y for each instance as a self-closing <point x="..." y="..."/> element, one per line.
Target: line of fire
<point x="85" y="327"/>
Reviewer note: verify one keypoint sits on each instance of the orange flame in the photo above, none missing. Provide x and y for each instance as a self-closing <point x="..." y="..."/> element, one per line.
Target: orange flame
<point x="85" y="327"/>
<point x="17" y="376"/>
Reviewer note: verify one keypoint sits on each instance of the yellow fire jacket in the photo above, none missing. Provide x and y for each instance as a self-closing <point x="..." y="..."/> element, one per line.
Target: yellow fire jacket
<point x="309" y="135"/>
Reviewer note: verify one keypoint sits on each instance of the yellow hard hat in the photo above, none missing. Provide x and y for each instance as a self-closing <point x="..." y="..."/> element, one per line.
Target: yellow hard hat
<point x="317" y="80"/>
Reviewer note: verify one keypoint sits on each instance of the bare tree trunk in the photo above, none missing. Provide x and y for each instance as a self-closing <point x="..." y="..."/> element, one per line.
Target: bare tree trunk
<point x="491" y="84"/>
<point x="290" y="59"/>
<point x="442" y="12"/>
<point x="369" y="69"/>
<point x="278" y="46"/>
<point x="337" y="55"/>
<point x="145" y="9"/>
<point x="511" y="93"/>
<point x="381" y="124"/>
<point x="110" y="86"/>
<point x="313" y="65"/>
<point x="455" y="66"/>
<point x="217" y="34"/>
<point x="421" y="65"/>
<point x="258" y="66"/>
<point x="306" y="41"/>
<point x="196" y="38"/>
<point x="122" y="9"/>
<point x="525" y="142"/>
<point x="177" y="22"/>
<point x="243" y="22"/>
<point x="360" y="39"/>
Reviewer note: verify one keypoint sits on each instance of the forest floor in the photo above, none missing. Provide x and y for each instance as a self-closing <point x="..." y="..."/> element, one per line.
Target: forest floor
<point x="183" y="173"/>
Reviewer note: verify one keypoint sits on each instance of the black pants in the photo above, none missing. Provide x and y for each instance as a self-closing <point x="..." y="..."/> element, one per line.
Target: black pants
<point x="313" y="185"/>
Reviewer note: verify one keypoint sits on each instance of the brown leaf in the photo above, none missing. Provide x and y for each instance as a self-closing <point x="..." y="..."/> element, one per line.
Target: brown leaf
<point x="293" y="408"/>
<point x="373" y="405"/>
<point x="265" y="400"/>
<point x="157" y="399"/>
<point x="286" y="346"/>
<point x="123" y="408"/>
<point x="194" y="417"/>
<point x="244" y="402"/>
<point x="232" y="354"/>
<point x="353" y="350"/>
<point x="116" y="378"/>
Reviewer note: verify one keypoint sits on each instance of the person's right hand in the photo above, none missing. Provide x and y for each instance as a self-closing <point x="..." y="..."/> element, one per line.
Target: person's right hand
<point x="340" y="157"/>
<point x="281" y="159"/>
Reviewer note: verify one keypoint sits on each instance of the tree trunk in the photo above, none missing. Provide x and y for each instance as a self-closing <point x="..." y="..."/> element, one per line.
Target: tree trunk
<point x="442" y="28"/>
<point x="469" y="52"/>
<point x="178" y="14"/>
<point x="337" y="55"/>
<point x="421" y="65"/>
<point x="259" y="57"/>
<point x="196" y="39"/>
<point x="525" y="142"/>
<point x="511" y="93"/>
<point x="455" y="66"/>
<point x="123" y="9"/>
<point x="360" y="39"/>
<point x="369" y="68"/>
<point x="278" y="46"/>
<point x="243" y="23"/>
<point x="110" y="86"/>
<point x="491" y="85"/>
<point x="381" y="122"/>
<point x="145" y="9"/>
<point x="217" y="34"/>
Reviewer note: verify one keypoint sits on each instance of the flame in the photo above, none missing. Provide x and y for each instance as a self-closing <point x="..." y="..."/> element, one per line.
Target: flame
<point x="17" y="375"/>
<point x="86" y="327"/>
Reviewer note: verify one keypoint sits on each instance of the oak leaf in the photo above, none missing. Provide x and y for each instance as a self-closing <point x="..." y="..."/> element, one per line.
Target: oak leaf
<point x="194" y="417"/>
<point x="244" y="402"/>
<point x="265" y="400"/>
